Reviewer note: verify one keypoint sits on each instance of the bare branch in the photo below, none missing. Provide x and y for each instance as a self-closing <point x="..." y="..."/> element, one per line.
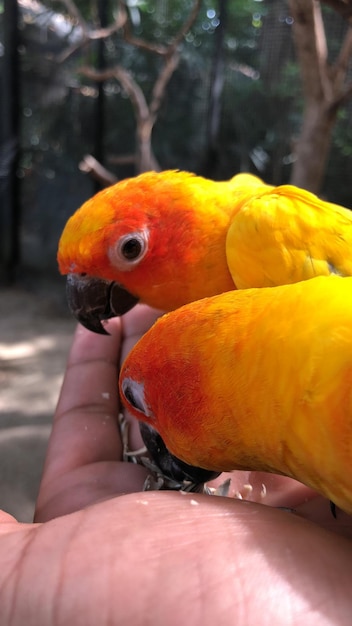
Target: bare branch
<point x="145" y="45"/>
<point x="322" y="51"/>
<point x="76" y="14"/>
<point x="98" y="33"/>
<point x="157" y="48"/>
<point x="136" y="41"/>
<point x="304" y="33"/>
<point x="322" y="46"/>
<point x="130" y="86"/>
<point x="145" y="114"/>
<point x="87" y="33"/>
<point x="187" y="25"/>
<point x="122" y="159"/>
<point x="103" y="33"/>
<point x="161" y="82"/>
<point x="325" y="89"/>
<point x="90" y="165"/>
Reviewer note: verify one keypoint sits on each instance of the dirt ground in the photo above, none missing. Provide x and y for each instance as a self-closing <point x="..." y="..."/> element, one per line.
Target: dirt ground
<point x="35" y="336"/>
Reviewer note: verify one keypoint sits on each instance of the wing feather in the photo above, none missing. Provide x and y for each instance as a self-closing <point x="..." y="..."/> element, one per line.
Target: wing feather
<point x="285" y="235"/>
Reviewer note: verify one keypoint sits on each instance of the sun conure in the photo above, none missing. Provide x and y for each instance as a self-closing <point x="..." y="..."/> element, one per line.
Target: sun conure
<point x="171" y="237"/>
<point x="257" y="379"/>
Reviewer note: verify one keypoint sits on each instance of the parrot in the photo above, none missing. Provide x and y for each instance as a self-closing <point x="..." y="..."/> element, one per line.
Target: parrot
<point x="158" y="238"/>
<point x="169" y="238"/>
<point x="255" y="379"/>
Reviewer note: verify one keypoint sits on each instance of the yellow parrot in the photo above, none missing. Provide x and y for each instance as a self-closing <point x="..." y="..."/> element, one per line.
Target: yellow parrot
<point x="257" y="379"/>
<point x="171" y="237"/>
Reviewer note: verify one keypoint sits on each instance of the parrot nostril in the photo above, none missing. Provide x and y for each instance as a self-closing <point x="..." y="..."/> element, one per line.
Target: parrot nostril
<point x="134" y="395"/>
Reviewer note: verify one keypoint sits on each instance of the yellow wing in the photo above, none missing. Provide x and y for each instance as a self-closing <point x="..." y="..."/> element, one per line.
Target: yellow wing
<point x="284" y="235"/>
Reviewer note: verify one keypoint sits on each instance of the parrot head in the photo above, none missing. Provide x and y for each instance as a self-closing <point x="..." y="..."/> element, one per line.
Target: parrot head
<point x="253" y="379"/>
<point x="165" y="382"/>
<point x="158" y="238"/>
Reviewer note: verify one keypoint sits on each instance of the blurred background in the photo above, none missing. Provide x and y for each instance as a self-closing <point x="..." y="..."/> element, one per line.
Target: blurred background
<point x="93" y="91"/>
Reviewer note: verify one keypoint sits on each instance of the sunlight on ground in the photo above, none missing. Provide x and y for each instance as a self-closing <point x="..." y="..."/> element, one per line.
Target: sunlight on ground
<point x="34" y="344"/>
<point x="31" y="374"/>
<point x="26" y="349"/>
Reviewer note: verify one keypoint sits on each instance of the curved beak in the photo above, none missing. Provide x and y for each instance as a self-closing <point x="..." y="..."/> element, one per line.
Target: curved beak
<point x="170" y="465"/>
<point x="92" y="300"/>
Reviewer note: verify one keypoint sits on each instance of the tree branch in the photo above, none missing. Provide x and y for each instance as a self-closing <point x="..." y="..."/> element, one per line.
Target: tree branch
<point x="88" y="33"/>
<point x="322" y="51"/>
<point x="187" y="25"/>
<point x="161" y="82"/>
<point x="73" y="10"/>
<point x="90" y="165"/>
<point x="157" y="48"/>
<point x="132" y="89"/>
<point x="304" y="33"/>
<point x="145" y="114"/>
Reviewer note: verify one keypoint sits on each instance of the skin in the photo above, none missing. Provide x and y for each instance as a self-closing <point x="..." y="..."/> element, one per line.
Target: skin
<point x="101" y="552"/>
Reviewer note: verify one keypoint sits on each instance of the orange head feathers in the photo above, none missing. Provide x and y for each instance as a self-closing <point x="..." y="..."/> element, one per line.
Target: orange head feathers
<point x="159" y="236"/>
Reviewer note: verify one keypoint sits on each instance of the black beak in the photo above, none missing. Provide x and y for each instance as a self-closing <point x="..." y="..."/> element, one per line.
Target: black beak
<point x="92" y="300"/>
<point x="170" y="465"/>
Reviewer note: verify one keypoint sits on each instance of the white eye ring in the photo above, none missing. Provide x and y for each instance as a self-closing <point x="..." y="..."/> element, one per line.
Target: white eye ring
<point x="130" y="249"/>
<point x="134" y="395"/>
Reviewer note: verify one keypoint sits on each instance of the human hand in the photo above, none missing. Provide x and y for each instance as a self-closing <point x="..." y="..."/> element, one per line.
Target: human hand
<point x="95" y="556"/>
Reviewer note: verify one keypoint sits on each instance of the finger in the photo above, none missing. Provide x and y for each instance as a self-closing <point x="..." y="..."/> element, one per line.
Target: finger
<point x="84" y="429"/>
<point x="85" y="444"/>
<point x="133" y="326"/>
<point x="318" y="510"/>
<point x="264" y="488"/>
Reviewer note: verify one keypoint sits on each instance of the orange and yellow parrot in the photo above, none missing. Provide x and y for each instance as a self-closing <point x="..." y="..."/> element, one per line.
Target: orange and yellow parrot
<point x="171" y="237"/>
<point x="257" y="379"/>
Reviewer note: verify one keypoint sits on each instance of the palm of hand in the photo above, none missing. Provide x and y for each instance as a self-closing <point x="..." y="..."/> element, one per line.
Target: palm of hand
<point x="183" y="557"/>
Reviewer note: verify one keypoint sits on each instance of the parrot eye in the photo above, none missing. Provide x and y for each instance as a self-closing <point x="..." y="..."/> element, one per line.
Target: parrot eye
<point x="130" y="250"/>
<point x="134" y="394"/>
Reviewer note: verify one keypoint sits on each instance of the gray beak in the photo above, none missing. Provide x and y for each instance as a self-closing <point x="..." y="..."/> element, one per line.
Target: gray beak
<point x="93" y="300"/>
<point x="170" y="465"/>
